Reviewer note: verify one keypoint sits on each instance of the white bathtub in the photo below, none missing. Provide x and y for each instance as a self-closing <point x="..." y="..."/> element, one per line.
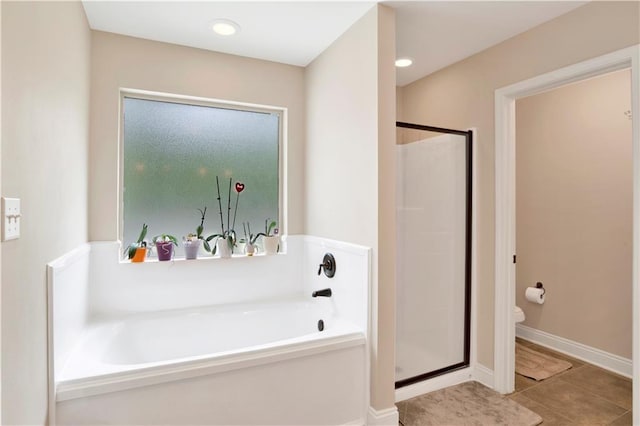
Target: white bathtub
<point x="166" y="337"/>
<point x="187" y="343"/>
<point x="118" y="370"/>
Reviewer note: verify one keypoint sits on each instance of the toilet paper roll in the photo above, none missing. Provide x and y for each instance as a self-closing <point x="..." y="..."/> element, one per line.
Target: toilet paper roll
<point x="535" y="295"/>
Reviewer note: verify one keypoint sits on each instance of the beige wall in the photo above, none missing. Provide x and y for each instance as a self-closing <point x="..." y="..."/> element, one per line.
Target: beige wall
<point x="350" y="126"/>
<point x="45" y="104"/>
<point x="462" y="96"/>
<point x="0" y="190"/>
<point x="127" y="62"/>
<point x="384" y="377"/>
<point x="574" y="211"/>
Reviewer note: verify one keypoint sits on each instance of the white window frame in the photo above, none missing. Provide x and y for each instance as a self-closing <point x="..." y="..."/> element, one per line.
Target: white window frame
<point x="215" y="103"/>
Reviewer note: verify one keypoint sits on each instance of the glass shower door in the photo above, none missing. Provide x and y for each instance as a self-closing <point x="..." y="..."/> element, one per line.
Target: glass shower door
<point x="433" y="240"/>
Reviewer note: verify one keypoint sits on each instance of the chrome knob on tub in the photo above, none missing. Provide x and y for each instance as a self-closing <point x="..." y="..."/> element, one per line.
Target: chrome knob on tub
<point x="328" y="265"/>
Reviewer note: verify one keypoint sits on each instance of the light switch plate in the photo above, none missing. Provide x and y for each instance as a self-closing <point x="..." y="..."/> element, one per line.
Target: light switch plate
<point x="10" y="218"/>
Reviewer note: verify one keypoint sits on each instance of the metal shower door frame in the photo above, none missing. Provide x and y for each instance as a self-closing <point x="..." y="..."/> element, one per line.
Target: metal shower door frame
<point x="468" y="134"/>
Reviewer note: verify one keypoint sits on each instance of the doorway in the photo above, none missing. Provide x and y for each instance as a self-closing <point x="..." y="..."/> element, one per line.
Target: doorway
<point x="504" y="349"/>
<point x="574" y="190"/>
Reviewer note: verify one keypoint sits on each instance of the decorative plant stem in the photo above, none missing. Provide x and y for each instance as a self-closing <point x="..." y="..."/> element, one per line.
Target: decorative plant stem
<point x="229" y="234"/>
<point x="239" y="189"/>
<point x="229" y="206"/>
<point x="251" y="239"/>
<point x="235" y="212"/>
<point x="220" y="205"/>
<point x="200" y="228"/>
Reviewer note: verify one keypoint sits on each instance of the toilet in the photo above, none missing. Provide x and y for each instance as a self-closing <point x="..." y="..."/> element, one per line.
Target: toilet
<point x="518" y="314"/>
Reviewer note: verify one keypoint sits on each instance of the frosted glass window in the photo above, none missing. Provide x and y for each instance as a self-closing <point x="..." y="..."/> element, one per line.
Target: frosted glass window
<point x="172" y="154"/>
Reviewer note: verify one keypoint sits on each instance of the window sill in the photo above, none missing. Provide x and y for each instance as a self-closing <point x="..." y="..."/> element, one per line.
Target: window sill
<point x="203" y="258"/>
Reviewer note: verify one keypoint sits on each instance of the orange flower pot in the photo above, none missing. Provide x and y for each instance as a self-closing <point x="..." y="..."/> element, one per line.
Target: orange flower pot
<point x="141" y="253"/>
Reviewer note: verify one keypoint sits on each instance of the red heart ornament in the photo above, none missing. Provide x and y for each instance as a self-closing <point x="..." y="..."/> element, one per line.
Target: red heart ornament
<point x="239" y="187"/>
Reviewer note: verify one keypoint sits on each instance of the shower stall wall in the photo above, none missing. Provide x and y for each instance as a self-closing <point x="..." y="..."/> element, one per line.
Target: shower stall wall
<point x="434" y="252"/>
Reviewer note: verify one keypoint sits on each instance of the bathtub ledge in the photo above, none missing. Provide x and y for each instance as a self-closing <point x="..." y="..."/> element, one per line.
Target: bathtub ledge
<point x="113" y="382"/>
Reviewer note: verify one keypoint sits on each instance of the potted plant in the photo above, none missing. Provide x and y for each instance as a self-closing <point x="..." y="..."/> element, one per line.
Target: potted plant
<point x="270" y="238"/>
<point x="137" y="251"/>
<point x="226" y="240"/>
<point x="192" y="241"/>
<point x="250" y="246"/>
<point x="164" y="246"/>
<point x="240" y="246"/>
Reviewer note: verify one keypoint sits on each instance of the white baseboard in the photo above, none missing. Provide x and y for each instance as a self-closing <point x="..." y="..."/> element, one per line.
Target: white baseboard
<point x="359" y="422"/>
<point x="386" y="417"/>
<point x="483" y="375"/>
<point x="606" y="360"/>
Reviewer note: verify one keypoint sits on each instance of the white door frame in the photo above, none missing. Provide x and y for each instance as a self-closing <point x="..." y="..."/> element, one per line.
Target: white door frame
<point x="505" y="235"/>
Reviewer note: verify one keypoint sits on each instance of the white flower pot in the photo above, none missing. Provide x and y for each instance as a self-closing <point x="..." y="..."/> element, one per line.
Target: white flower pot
<point x="270" y="244"/>
<point x="223" y="248"/>
<point x="191" y="249"/>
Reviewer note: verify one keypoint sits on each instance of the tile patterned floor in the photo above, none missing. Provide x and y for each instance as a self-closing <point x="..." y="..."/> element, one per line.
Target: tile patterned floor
<point x="582" y="395"/>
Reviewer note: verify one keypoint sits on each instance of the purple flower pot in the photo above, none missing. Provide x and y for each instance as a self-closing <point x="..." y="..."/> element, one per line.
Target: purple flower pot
<point x="165" y="250"/>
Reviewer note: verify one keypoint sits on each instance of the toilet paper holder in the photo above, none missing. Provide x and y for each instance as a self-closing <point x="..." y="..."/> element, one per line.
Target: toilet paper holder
<point x="544" y="290"/>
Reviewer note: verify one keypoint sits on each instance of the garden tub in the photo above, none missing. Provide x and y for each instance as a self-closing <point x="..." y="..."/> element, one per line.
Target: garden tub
<point x="202" y="365"/>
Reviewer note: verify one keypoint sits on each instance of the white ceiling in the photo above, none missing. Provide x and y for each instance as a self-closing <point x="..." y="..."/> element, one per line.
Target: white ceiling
<point x="289" y="32"/>
<point x="434" y="33"/>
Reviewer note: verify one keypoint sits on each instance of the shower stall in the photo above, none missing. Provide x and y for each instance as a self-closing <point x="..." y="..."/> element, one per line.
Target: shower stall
<point x="434" y="251"/>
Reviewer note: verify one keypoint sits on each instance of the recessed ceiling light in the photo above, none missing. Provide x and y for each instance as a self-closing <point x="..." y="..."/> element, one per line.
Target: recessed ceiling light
<point x="403" y="62"/>
<point x="225" y="27"/>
